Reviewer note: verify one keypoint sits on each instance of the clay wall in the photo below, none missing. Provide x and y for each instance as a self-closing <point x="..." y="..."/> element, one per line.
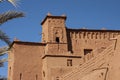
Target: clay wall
<point x="53" y="26"/>
<point x="27" y="63"/>
<point x="45" y="32"/>
<point x="55" y="66"/>
<point x="10" y="63"/>
<point x="78" y="40"/>
<point x="92" y="68"/>
<point x="55" y="48"/>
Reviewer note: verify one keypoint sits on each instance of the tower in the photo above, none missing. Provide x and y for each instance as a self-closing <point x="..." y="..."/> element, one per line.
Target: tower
<point x="54" y="33"/>
<point x="54" y="29"/>
<point x="55" y="37"/>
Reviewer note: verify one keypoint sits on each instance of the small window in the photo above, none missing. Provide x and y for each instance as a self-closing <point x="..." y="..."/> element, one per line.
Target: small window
<point x="87" y="51"/>
<point x="57" y="78"/>
<point x="88" y="54"/>
<point x="69" y="62"/>
<point x="57" y="39"/>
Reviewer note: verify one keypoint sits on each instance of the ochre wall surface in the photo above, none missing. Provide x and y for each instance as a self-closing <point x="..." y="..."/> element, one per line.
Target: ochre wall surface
<point x="66" y="54"/>
<point x="27" y="63"/>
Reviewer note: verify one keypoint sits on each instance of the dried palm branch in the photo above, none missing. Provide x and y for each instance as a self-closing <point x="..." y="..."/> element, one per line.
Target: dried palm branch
<point x="3" y="50"/>
<point x="13" y="2"/>
<point x="10" y="15"/>
<point x="2" y="61"/>
<point x="4" y="37"/>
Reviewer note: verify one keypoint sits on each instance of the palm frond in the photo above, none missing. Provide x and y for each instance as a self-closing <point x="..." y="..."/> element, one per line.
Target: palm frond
<point x="1" y="0"/>
<point x="4" y="37"/>
<point x="10" y="15"/>
<point x="3" y="78"/>
<point x="1" y="64"/>
<point x="14" y="2"/>
<point x="2" y="61"/>
<point x="3" y="50"/>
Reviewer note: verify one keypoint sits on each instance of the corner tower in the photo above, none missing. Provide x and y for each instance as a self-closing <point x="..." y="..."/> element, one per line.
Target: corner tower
<point x="53" y="29"/>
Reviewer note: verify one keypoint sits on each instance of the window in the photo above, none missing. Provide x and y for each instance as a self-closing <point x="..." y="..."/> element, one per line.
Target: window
<point x="87" y="54"/>
<point x="44" y="73"/>
<point x="57" y="39"/>
<point x="57" y="78"/>
<point x="36" y="77"/>
<point x="10" y="71"/>
<point x="69" y="62"/>
<point x="87" y="51"/>
<point x="20" y="76"/>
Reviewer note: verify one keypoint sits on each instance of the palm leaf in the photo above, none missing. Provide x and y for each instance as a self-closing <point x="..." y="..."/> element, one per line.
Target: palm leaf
<point x="10" y="15"/>
<point x="4" y="37"/>
<point x="2" y="61"/>
<point x="3" y="50"/>
<point x="13" y="2"/>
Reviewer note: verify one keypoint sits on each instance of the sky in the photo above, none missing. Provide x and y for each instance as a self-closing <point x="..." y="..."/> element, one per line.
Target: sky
<point x="90" y="14"/>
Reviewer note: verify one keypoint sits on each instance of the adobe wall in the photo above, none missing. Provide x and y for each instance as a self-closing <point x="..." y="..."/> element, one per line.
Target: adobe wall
<point x="95" y="68"/>
<point x="52" y="27"/>
<point x="45" y="32"/>
<point x="114" y="63"/>
<point x="25" y="61"/>
<point x="56" y="65"/>
<point x="55" y="48"/>
<point x="78" y="40"/>
<point x="11" y="63"/>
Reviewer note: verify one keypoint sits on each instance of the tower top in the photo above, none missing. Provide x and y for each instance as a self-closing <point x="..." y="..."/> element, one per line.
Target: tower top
<point x="49" y="15"/>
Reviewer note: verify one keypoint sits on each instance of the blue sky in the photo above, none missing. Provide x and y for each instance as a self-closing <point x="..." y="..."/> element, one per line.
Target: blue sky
<point x="91" y="14"/>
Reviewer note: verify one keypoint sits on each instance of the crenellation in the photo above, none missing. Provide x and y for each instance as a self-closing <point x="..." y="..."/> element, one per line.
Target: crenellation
<point x="93" y="35"/>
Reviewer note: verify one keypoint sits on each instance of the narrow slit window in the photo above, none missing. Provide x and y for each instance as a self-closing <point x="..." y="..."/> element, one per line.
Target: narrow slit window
<point x="44" y="73"/>
<point x="36" y="77"/>
<point x="20" y="76"/>
<point x="10" y="71"/>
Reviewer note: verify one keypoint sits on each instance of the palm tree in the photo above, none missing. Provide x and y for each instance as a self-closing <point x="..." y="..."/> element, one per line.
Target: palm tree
<point x="4" y="17"/>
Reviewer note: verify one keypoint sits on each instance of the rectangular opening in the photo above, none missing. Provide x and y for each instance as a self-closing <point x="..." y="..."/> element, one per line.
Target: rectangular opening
<point x="57" y="39"/>
<point x="87" y="51"/>
<point x="69" y="62"/>
<point x="20" y="76"/>
<point x="57" y="78"/>
<point x="36" y="77"/>
<point x="88" y="54"/>
<point x="10" y="71"/>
